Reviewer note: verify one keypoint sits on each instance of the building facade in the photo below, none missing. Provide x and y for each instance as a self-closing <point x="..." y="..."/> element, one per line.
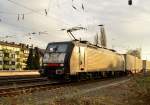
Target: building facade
<point x="13" y="56"/>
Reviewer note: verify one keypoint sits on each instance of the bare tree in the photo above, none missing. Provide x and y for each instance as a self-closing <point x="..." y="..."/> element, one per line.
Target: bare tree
<point x="135" y="52"/>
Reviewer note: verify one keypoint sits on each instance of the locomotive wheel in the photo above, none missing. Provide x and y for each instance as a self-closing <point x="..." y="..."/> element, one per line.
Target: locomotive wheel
<point x="67" y="78"/>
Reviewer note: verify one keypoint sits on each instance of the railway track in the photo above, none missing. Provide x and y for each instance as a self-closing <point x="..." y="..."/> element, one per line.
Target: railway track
<point x="40" y="86"/>
<point x="18" y="77"/>
<point x="11" y="81"/>
<point x="23" y="89"/>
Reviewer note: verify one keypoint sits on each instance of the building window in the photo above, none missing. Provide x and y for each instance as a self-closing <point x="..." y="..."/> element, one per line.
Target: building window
<point x="6" y="62"/>
<point x="18" y="59"/>
<point x="1" y="54"/>
<point x="13" y="63"/>
<point x="6" y="54"/>
<point x="17" y="52"/>
<point x="1" y="62"/>
<point x="13" y="55"/>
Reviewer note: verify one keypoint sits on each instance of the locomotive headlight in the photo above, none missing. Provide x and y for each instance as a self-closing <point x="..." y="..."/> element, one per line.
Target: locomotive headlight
<point x="45" y="64"/>
<point x="61" y="64"/>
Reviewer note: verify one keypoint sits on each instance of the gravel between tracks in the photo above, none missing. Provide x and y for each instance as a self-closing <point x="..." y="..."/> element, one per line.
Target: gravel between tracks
<point x="97" y="93"/>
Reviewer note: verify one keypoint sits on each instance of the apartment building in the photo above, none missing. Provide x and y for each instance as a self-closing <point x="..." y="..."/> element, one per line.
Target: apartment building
<point x="13" y="56"/>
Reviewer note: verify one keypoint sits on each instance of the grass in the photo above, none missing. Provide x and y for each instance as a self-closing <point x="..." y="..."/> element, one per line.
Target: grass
<point x="64" y="101"/>
<point x="140" y="90"/>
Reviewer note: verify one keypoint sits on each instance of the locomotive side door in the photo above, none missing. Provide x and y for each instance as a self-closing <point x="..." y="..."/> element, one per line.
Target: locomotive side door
<point x="82" y="58"/>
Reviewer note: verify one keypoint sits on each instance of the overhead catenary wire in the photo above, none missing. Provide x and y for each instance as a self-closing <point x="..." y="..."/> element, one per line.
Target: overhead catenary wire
<point x="75" y="7"/>
<point x="82" y="7"/>
<point x="26" y="33"/>
<point x="34" y="11"/>
<point x="15" y="13"/>
<point x="23" y="27"/>
<point x="23" y="6"/>
<point x="31" y="11"/>
<point x="6" y="36"/>
<point x="37" y="12"/>
<point x="45" y="12"/>
<point x="22" y="15"/>
<point x="19" y="15"/>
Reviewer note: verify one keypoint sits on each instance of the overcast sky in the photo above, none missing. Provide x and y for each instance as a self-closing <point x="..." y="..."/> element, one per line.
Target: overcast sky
<point x="127" y="27"/>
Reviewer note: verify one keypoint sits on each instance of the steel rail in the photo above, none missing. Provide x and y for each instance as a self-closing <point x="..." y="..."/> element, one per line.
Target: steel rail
<point x="16" y="90"/>
<point x="21" y="81"/>
<point x="47" y="85"/>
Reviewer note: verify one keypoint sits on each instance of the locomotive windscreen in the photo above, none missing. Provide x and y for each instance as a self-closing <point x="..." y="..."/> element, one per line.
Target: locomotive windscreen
<point x="55" y="53"/>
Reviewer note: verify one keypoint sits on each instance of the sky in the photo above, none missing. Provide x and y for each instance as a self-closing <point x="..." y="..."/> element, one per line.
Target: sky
<point x="126" y="27"/>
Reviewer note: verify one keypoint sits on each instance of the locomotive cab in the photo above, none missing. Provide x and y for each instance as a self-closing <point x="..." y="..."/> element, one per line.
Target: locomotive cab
<point x="56" y="59"/>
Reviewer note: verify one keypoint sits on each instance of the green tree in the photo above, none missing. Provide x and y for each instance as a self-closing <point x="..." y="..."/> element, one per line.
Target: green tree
<point x="30" y="64"/>
<point x="36" y="60"/>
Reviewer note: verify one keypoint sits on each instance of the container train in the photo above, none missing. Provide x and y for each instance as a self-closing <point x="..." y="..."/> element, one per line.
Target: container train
<point x="80" y="60"/>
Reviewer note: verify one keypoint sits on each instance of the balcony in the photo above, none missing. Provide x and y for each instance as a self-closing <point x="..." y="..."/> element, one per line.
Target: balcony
<point x="1" y="67"/>
<point x="7" y="67"/>
<point x="18" y="60"/>
<point x="7" y="59"/>
<point x="6" y="51"/>
<point x="13" y="66"/>
<point x="13" y="59"/>
<point x="17" y="52"/>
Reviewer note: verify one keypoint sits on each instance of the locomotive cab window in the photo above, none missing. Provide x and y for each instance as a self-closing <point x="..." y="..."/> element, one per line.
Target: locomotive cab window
<point x="55" y="53"/>
<point x="57" y="48"/>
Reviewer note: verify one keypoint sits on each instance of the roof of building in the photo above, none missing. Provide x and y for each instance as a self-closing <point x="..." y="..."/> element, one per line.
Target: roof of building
<point x="13" y="44"/>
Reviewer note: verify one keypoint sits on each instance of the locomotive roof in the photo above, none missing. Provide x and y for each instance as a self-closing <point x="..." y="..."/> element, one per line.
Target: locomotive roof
<point x="86" y="43"/>
<point x="83" y="43"/>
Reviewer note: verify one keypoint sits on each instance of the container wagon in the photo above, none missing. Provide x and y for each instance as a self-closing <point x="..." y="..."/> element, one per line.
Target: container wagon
<point x="146" y="66"/>
<point x="133" y="64"/>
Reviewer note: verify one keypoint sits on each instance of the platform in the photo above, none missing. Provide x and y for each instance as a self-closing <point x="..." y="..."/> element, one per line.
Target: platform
<point x="19" y="73"/>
